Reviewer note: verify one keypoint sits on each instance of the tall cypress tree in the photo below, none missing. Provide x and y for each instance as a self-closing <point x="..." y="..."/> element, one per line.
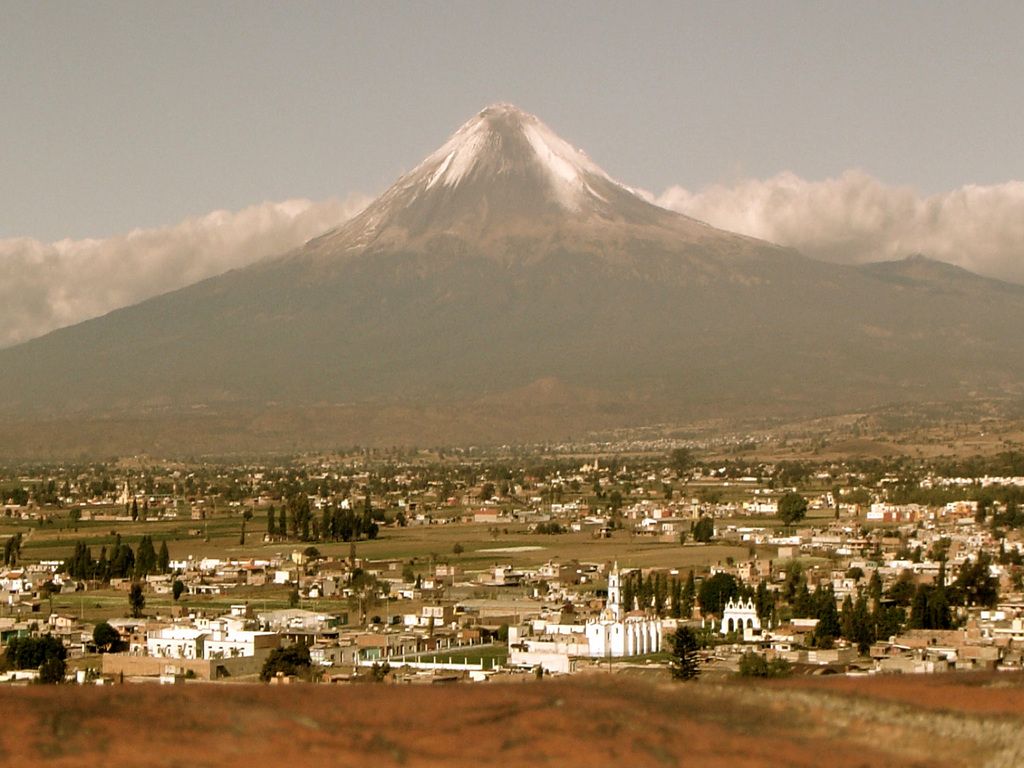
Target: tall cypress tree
<point x="689" y="595"/>
<point x="163" y="559"/>
<point x="677" y="598"/>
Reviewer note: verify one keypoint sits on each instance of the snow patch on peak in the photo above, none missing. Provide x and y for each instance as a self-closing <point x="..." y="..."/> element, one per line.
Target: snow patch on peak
<point x="502" y="108"/>
<point x="484" y="140"/>
<point x="565" y="165"/>
<point x="459" y="154"/>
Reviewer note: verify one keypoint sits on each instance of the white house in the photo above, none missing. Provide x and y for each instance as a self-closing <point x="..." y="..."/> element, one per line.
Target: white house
<point x="177" y="643"/>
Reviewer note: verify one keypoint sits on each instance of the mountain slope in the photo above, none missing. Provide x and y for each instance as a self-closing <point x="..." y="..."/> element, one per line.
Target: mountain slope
<point x="508" y="258"/>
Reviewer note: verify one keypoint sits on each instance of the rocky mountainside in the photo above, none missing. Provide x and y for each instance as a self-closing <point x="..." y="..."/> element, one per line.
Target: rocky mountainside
<point x="508" y="264"/>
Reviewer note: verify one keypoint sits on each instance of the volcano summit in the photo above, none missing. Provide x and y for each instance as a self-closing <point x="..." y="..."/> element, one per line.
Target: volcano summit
<point x="507" y="288"/>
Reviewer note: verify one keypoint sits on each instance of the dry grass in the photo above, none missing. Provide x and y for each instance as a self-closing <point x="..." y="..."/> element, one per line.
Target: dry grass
<point x="579" y="722"/>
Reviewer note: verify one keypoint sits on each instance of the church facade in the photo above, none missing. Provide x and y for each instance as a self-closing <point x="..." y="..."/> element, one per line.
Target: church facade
<point x="614" y="634"/>
<point x="617" y="633"/>
<point x="740" y="616"/>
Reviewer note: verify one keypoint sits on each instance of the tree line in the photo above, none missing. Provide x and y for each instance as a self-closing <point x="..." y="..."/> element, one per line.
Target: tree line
<point x="657" y="590"/>
<point x="295" y="520"/>
<point x="122" y="562"/>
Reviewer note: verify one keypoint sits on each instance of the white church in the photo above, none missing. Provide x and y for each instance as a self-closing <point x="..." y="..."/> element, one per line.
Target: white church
<point x="740" y="616"/>
<point x="614" y="634"/>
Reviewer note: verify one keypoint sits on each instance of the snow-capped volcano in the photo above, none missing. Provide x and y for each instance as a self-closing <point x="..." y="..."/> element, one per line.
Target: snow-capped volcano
<point x="504" y="171"/>
<point x="492" y="143"/>
<point x="507" y="288"/>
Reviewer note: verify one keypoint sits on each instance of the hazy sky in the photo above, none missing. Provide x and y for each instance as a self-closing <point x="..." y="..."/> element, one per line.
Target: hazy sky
<point x="136" y="114"/>
<point x="225" y="131"/>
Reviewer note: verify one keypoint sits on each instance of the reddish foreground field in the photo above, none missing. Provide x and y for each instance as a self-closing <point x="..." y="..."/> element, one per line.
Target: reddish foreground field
<point x="594" y="721"/>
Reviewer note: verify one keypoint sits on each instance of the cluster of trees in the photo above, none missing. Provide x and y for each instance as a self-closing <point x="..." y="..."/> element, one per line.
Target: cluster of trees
<point x="122" y="563"/>
<point x="869" y="616"/>
<point x="296" y="521"/>
<point x="717" y="590"/>
<point x="755" y="665"/>
<point x="549" y="528"/>
<point x="658" y="591"/>
<point x="1005" y="464"/>
<point x="931" y="605"/>
<point x="861" y="621"/>
<point x="45" y="653"/>
<point x="15" y="494"/>
<point x="1001" y="507"/>
<point x="12" y="550"/>
<point x="703" y="530"/>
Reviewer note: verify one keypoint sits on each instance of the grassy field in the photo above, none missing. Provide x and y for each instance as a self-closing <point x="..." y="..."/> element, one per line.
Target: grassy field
<point x="482" y="545"/>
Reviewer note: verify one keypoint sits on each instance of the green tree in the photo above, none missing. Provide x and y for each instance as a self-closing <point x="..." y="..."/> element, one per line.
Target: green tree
<point x="681" y="460"/>
<point x="136" y="600"/>
<point x="628" y="592"/>
<point x="293" y="660"/>
<point x="163" y="558"/>
<point x="875" y="590"/>
<point x="764" y="600"/>
<point x="615" y="500"/>
<point x="716" y="591"/>
<point x="676" y="598"/>
<point x="975" y="585"/>
<point x="704" y="530"/>
<point x="46" y="653"/>
<point x="903" y="589"/>
<point x="688" y="597"/>
<point x="146" y="559"/>
<point x="660" y="593"/>
<point x="52" y="671"/>
<point x="12" y="550"/>
<point x="177" y="588"/>
<point x="106" y="638"/>
<point x="930" y="608"/>
<point x="755" y="665"/>
<point x="685" y="661"/>
<point x="828" y="628"/>
<point x="888" y="621"/>
<point x="793" y="579"/>
<point x="863" y="631"/>
<point x="792" y="508"/>
<point x="271" y="524"/>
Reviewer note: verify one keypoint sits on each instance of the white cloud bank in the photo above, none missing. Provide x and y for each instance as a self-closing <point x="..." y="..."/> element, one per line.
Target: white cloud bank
<point x="49" y="285"/>
<point x="855" y="218"/>
<point x="850" y="219"/>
